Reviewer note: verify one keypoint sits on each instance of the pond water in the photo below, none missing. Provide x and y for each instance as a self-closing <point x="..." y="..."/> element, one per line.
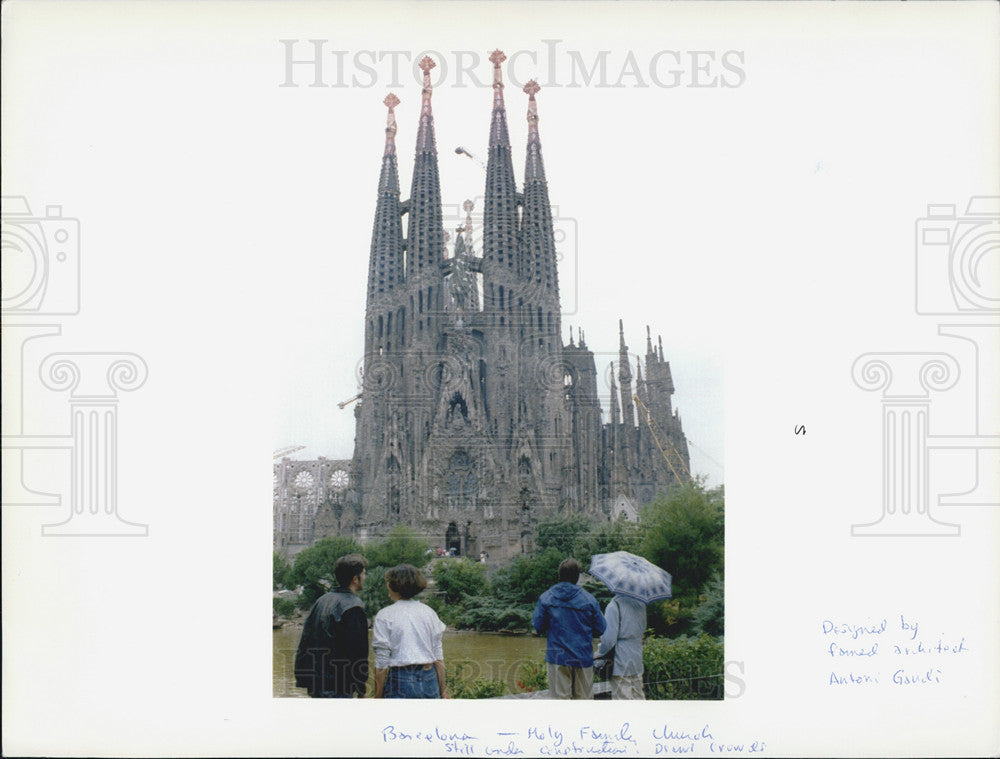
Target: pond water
<point x="490" y="655"/>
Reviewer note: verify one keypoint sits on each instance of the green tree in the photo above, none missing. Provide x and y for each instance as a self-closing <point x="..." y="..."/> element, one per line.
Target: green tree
<point x="313" y="568"/>
<point x="684" y="533"/>
<point x="562" y="534"/>
<point x="374" y="594"/>
<point x="527" y="577"/>
<point x="710" y="615"/>
<point x="458" y="578"/>
<point x="281" y="573"/>
<point x="401" y="546"/>
<point x="607" y="537"/>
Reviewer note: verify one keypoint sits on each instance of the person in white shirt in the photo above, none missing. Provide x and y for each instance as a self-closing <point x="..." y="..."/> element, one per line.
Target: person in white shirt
<point x="406" y="639"/>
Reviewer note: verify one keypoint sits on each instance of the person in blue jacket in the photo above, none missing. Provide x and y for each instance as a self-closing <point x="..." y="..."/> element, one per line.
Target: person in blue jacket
<point x="572" y="618"/>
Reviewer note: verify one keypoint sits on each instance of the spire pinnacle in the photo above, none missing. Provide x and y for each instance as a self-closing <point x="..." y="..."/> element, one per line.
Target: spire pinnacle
<point x="496" y="58"/>
<point x="425" y="136"/>
<point x="532" y="88"/>
<point x="571" y="335"/>
<point x="391" y="101"/>
<point x="660" y="338"/>
<point x="649" y="341"/>
<point x="621" y="336"/>
<point x="498" y="128"/>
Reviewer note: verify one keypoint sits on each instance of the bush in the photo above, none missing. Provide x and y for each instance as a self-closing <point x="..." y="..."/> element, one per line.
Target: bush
<point x="459" y="687"/>
<point x="527" y="577"/>
<point x="448" y="613"/>
<point x="283" y="607"/>
<point x="401" y="546"/>
<point x="489" y="613"/>
<point x="562" y="534"/>
<point x="281" y="573"/>
<point x="683" y="668"/>
<point x="458" y="578"/>
<point x="374" y="594"/>
<point x="532" y="675"/>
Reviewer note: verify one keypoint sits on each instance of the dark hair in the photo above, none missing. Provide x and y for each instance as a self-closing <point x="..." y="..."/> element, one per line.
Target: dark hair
<point x="569" y="570"/>
<point x="406" y="580"/>
<point x="346" y="568"/>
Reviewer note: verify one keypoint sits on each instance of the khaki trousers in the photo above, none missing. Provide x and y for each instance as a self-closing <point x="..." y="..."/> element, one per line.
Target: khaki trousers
<point x="571" y="682"/>
<point x="627" y="688"/>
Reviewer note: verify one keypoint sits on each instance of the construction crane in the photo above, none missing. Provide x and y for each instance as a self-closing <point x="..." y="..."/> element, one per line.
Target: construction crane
<point x="282" y="452"/>
<point x="652" y="429"/>
<point x="462" y="151"/>
<point x="349" y="401"/>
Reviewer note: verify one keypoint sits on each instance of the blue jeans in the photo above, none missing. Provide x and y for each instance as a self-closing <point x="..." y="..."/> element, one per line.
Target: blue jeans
<point x="411" y="683"/>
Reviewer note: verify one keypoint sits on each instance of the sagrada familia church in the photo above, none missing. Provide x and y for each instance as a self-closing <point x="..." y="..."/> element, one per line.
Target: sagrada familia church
<point x="475" y="421"/>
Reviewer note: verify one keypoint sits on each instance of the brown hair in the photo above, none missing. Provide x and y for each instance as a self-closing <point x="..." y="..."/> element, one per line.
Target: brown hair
<point x="406" y="580"/>
<point x="346" y="568"/>
<point x="569" y="570"/>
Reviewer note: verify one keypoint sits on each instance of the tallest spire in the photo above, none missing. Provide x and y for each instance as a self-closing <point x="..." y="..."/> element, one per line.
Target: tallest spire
<point x="498" y="128"/>
<point x="534" y="168"/>
<point x="425" y="234"/>
<point x="425" y="133"/>
<point x="500" y="209"/>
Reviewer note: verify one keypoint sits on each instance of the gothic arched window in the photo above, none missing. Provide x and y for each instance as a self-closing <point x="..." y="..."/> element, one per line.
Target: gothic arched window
<point x="461" y="482"/>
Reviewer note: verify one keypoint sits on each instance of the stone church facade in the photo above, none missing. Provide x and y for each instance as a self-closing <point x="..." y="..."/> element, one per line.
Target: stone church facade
<point x="475" y="421"/>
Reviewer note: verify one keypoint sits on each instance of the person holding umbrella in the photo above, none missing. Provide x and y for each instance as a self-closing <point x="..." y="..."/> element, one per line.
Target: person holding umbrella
<point x="626" y="620"/>
<point x="635" y="583"/>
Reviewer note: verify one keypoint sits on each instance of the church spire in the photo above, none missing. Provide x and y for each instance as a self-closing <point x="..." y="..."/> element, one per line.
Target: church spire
<point x="538" y="263"/>
<point x="534" y="168"/>
<point x="385" y="260"/>
<point x="425" y="238"/>
<point x="498" y="125"/>
<point x="500" y="210"/>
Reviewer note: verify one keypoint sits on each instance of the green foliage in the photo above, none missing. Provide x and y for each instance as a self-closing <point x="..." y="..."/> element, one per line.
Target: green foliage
<point x="458" y="684"/>
<point x="683" y="533"/>
<point x="683" y="668"/>
<point x="457" y="578"/>
<point x="281" y="572"/>
<point x="493" y="614"/>
<point x="527" y="577"/>
<point x="607" y="537"/>
<point x="313" y="568"/>
<point x="401" y="546"/>
<point x="447" y="613"/>
<point x="283" y="607"/>
<point x="562" y="534"/>
<point x="374" y="594"/>
<point x="672" y="617"/>
<point x="710" y="615"/>
<point x="532" y="675"/>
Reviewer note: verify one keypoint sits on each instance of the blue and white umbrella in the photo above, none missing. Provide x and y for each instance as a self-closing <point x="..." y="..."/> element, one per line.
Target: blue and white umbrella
<point x="632" y="576"/>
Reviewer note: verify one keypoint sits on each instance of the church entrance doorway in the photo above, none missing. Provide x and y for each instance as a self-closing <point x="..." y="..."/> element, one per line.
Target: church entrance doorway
<point x="452" y="539"/>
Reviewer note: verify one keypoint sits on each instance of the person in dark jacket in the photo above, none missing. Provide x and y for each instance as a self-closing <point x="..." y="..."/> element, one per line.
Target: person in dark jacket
<point x="572" y="619"/>
<point x="332" y="659"/>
